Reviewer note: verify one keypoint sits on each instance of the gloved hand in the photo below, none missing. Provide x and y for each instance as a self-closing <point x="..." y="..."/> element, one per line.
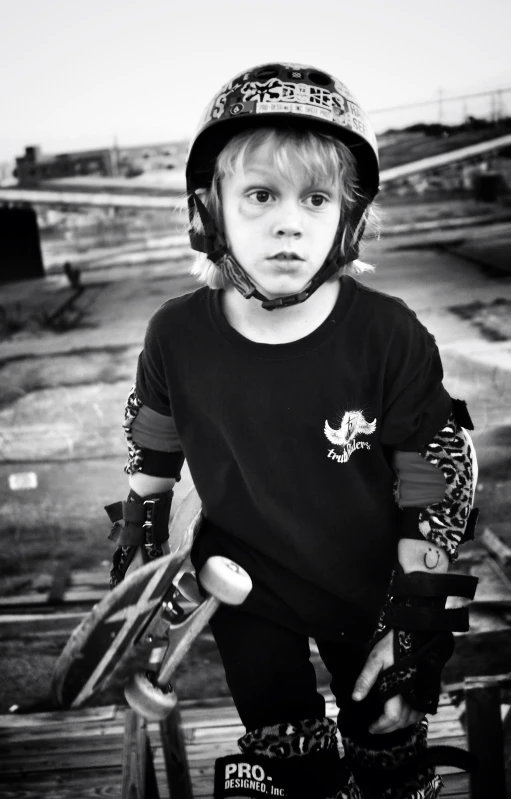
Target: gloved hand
<point x="408" y="664"/>
<point x="144" y="533"/>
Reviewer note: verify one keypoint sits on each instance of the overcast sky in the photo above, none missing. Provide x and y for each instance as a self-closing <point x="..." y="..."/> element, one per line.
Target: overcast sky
<point x="78" y="73"/>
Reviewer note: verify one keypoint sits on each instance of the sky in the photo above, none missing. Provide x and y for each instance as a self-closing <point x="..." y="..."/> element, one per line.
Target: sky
<point x="79" y="74"/>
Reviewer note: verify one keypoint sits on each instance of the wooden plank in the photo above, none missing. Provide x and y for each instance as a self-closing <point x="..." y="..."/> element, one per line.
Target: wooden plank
<point x="28" y="735"/>
<point x="98" y="578"/>
<point x="486" y="740"/>
<point x="72" y="736"/>
<point x="60" y="761"/>
<point x="102" y="790"/>
<point x="33" y="599"/>
<point x="14" y="750"/>
<point x="13" y="626"/>
<point x="76" y="596"/>
<point x="138" y="777"/>
<point x="10" y="720"/>
<point x="175" y="756"/>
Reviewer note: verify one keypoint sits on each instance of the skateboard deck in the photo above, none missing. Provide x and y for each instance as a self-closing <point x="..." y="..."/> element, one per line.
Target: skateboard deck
<point x="120" y="636"/>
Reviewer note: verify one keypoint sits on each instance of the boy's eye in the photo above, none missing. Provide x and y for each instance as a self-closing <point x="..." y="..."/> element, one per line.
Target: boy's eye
<point x="318" y="200"/>
<point x="260" y="196"/>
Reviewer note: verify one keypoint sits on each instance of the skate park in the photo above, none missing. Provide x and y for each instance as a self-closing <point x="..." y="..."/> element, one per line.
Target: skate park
<point x="93" y="239"/>
<point x="460" y="289"/>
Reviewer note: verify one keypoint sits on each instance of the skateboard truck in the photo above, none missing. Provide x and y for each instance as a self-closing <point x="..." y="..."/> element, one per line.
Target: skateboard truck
<point x="150" y="693"/>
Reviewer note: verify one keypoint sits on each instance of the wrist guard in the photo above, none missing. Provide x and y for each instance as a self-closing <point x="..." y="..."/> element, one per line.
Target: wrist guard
<point x="423" y="635"/>
<point x="146" y="525"/>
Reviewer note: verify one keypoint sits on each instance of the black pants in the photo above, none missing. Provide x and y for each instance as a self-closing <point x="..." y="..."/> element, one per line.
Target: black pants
<point x="272" y="680"/>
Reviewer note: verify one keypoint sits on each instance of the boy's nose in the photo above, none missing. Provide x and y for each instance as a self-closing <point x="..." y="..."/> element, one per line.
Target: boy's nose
<point x="289" y="227"/>
<point x="288" y="222"/>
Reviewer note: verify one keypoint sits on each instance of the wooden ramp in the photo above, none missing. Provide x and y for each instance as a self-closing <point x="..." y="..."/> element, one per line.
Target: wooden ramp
<point x="78" y="754"/>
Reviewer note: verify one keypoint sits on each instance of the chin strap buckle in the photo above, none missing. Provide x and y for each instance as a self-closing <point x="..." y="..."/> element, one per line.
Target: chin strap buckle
<point x="285" y="302"/>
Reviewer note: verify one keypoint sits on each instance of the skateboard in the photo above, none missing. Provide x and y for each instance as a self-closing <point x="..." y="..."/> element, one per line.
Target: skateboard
<point x="128" y="647"/>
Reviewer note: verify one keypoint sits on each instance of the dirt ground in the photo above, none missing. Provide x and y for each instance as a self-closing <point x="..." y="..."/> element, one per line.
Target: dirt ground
<point x="62" y="396"/>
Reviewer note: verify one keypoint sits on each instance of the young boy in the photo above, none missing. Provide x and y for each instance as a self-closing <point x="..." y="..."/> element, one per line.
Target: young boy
<point x="330" y="460"/>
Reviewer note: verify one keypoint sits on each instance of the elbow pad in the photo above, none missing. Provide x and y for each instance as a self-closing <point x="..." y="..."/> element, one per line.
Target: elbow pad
<point x="153" y="443"/>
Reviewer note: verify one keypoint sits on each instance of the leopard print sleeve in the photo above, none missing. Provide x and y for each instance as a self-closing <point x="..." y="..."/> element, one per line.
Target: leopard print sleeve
<point x="445" y="523"/>
<point x="450" y="520"/>
<point x="135" y="453"/>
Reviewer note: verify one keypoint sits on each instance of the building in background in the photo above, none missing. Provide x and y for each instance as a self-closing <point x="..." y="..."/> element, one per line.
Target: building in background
<point x="34" y="168"/>
<point x="133" y="161"/>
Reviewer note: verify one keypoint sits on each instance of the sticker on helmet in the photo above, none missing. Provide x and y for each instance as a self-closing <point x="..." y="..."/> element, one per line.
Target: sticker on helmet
<point x="294" y="108"/>
<point x="275" y="90"/>
<point x="275" y="95"/>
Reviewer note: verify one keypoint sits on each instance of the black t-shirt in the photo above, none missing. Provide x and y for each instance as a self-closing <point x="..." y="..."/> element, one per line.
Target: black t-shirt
<point x="289" y="445"/>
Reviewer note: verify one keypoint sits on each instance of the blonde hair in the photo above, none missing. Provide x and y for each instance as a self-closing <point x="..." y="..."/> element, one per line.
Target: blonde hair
<point x="321" y="156"/>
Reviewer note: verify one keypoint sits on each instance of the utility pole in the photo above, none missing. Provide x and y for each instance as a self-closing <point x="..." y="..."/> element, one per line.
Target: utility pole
<point x="116" y="156"/>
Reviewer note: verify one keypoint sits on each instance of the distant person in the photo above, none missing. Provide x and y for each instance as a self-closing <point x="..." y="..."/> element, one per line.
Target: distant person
<point x="73" y="274"/>
<point x="331" y="462"/>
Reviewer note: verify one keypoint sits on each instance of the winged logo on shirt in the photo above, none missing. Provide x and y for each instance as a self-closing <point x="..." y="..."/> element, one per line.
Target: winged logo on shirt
<point x="353" y="424"/>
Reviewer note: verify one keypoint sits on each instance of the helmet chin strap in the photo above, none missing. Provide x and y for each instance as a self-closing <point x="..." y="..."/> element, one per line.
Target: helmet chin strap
<point x="215" y="247"/>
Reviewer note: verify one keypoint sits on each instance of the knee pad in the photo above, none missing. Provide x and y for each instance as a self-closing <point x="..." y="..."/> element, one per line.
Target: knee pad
<point x="290" y="760"/>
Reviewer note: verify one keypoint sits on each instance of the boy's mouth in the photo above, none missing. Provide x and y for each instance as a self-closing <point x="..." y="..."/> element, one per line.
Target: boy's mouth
<point x="286" y="256"/>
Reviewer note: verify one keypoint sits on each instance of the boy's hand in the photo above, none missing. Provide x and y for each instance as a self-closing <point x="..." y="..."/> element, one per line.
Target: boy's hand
<point x="397" y="713"/>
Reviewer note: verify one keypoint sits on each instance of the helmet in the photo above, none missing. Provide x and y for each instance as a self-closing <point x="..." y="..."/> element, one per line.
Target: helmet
<point x="278" y="94"/>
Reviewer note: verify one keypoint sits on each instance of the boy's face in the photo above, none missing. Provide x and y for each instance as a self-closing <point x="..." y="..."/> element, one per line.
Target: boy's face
<point x="280" y="232"/>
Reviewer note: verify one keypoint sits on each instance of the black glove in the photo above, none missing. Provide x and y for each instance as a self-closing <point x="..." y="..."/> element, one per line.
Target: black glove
<point x="423" y="639"/>
<point x="146" y="525"/>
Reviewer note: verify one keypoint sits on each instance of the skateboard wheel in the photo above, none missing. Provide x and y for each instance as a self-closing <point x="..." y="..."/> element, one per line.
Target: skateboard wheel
<point x="148" y="700"/>
<point x="225" y="580"/>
